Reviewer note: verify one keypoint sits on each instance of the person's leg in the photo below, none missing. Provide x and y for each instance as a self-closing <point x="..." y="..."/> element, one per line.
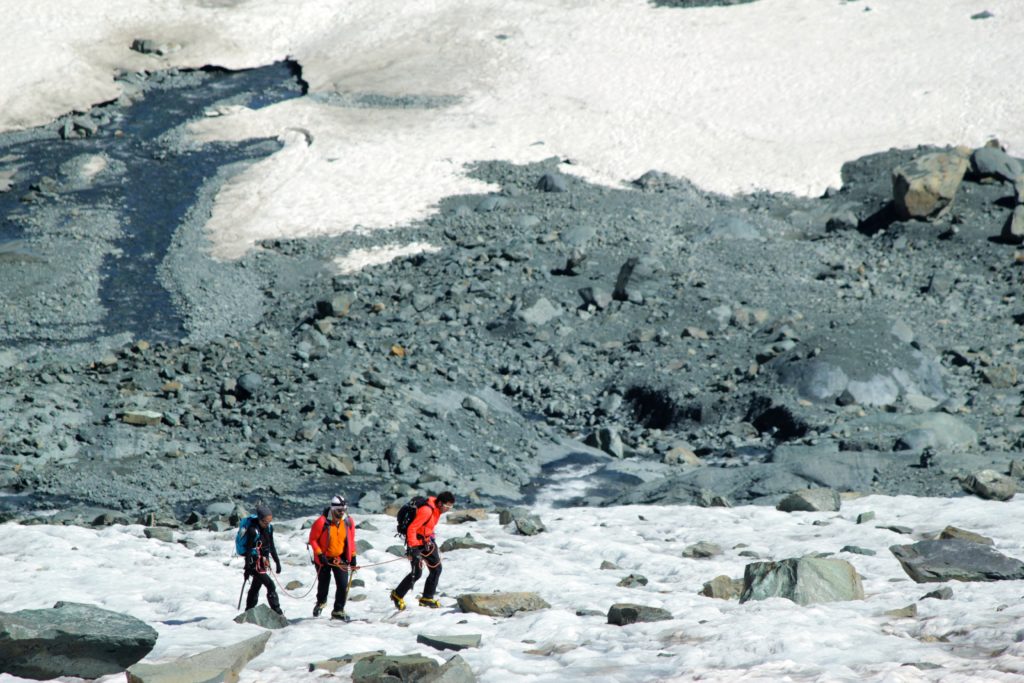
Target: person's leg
<point x="323" y="586"/>
<point x="410" y="579"/>
<point x="272" y="599"/>
<point x="433" y="561"/>
<point x="341" y="597"/>
<point x="253" y="596"/>
<point x="340" y="583"/>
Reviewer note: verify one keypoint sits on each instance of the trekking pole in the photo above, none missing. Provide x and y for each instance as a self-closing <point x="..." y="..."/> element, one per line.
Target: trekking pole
<point x="244" y="581"/>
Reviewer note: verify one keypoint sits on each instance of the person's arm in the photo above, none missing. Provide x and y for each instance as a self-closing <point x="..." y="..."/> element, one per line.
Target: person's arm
<point x="273" y="549"/>
<point x="314" y="535"/>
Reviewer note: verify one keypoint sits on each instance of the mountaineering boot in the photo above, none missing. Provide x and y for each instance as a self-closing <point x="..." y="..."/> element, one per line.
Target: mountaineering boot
<point x="432" y="603"/>
<point x="399" y="602"/>
<point x="339" y="615"/>
<point x="318" y="608"/>
<point x="275" y="604"/>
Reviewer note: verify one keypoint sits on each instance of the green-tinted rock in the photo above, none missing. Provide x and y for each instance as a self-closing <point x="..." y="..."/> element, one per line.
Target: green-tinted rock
<point x="804" y="580"/>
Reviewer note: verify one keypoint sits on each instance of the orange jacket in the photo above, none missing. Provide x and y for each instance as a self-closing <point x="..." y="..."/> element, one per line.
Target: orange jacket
<point x="333" y="540"/>
<point x="421" y="528"/>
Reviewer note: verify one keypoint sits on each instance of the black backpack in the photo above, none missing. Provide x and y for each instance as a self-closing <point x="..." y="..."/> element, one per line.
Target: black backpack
<point x="407" y="513"/>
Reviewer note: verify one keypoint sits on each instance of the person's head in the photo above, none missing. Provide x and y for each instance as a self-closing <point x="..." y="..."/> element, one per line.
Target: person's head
<point x="264" y="515"/>
<point x="446" y="499"/>
<point x="338" y="507"/>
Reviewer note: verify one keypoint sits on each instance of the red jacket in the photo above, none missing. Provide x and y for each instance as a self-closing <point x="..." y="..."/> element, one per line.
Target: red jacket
<point x="320" y="539"/>
<point x="421" y="528"/>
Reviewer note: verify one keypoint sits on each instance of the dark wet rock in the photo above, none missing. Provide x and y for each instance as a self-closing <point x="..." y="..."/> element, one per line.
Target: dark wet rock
<point x="71" y="639"/>
<point x="623" y="614"/>
<point x="810" y="500"/>
<point x="553" y="182"/>
<point x="944" y="593"/>
<point x="956" y="560"/>
<point x="450" y="642"/>
<point x="633" y="581"/>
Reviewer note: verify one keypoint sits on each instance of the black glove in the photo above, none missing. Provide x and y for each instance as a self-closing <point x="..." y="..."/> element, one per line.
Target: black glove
<point x="416" y="553"/>
<point x="277" y="564"/>
<point x="323" y="559"/>
<point x="250" y="565"/>
<point x="352" y="562"/>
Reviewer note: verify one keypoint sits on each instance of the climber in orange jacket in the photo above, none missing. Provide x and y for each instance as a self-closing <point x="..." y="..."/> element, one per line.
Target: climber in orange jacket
<point x="333" y="540"/>
<point x="420" y="547"/>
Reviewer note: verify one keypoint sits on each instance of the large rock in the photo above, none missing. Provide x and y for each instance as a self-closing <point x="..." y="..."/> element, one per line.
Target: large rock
<point x="956" y="559"/>
<point x="218" y="664"/>
<point x="455" y="670"/>
<point x="450" y="642"/>
<point x="625" y="613"/>
<point x="990" y="485"/>
<point x="501" y="604"/>
<point x="869" y="360"/>
<point x="393" y="668"/>
<point x="804" y="580"/>
<point x="466" y="542"/>
<point x="925" y="187"/>
<point x="810" y="500"/>
<point x="71" y="639"/>
<point x="262" y="615"/>
<point x="992" y="162"/>
<point x="722" y="587"/>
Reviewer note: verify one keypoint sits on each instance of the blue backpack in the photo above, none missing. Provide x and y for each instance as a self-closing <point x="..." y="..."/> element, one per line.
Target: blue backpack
<point x="243" y="529"/>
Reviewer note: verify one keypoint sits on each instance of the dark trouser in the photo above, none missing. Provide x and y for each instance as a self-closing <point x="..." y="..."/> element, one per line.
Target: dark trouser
<point x="323" y="584"/>
<point x="433" y="560"/>
<point x="258" y="581"/>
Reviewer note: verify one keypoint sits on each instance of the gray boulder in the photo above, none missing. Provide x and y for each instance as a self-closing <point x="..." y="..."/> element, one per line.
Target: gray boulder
<point x="804" y="580"/>
<point x="218" y="664"/>
<point x="376" y="669"/>
<point x="810" y="500"/>
<point x="990" y="485"/>
<point x="868" y="360"/>
<point x="261" y="615"/>
<point x="71" y="639"/>
<point x="625" y="613"/>
<point x="455" y="670"/>
<point x="450" y="642"/>
<point x="992" y="162"/>
<point x="501" y="604"/>
<point x="552" y="182"/>
<point x="466" y="542"/>
<point x="956" y="559"/>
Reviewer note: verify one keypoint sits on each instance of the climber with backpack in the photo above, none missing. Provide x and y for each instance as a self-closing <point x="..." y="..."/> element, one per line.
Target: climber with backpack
<point x="416" y="522"/>
<point x="255" y="541"/>
<point x="333" y="542"/>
